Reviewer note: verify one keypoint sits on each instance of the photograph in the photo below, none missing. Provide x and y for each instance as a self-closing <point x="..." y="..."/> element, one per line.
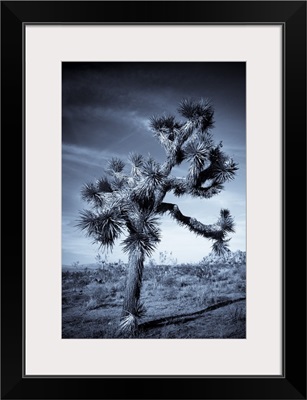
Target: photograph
<point x="154" y="200"/>
<point x="157" y="145"/>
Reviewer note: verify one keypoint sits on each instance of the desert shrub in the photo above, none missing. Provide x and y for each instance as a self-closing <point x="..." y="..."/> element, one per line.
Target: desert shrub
<point x="91" y="304"/>
<point x="237" y="313"/>
<point x="242" y="273"/>
<point x="113" y="290"/>
<point x="169" y="281"/>
<point x="223" y="275"/>
<point x="191" y="295"/>
<point x="65" y="275"/>
<point x="158" y="280"/>
<point x="202" y="271"/>
<point x="220" y="298"/>
<point x="96" y="298"/>
<point x="114" y="271"/>
<point x="100" y="293"/>
<point x="149" y="272"/>
<point x="185" y="269"/>
<point x="121" y="283"/>
<point x="84" y="280"/>
<point x="241" y="287"/>
<point x="171" y="294"/>
<point x="183" y="282"/>
<point x="223" y="284"/>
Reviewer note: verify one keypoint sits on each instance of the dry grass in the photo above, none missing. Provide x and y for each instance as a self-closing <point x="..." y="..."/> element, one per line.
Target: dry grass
<point x="92" y="300"/>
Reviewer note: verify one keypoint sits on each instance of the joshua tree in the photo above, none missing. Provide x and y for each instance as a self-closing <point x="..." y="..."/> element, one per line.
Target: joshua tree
<point x="130" y="203"/>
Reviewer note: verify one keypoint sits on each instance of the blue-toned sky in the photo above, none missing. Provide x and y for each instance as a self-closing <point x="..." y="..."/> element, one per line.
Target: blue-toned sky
<point x="105" y="112"/>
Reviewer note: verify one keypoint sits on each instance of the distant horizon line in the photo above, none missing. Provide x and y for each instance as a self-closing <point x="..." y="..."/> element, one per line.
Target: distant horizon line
<point x="84" y="264"/>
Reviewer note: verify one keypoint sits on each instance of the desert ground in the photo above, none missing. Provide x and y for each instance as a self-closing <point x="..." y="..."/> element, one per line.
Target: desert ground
<point x="181" y="301"/>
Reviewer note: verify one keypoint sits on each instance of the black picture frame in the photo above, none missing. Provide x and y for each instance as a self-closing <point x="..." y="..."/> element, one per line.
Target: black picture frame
<point x="292" y="16"/>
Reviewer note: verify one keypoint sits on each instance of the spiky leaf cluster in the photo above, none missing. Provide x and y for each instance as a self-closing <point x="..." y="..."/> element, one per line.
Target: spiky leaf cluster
<point x="144" y="232"/>
<point x="153" y="177"/>
<point x="220" y="247"/>
<point x="165" y="128"/>
<point x="91" y="193"/>
<point x="116" y="165"/>
<point x="94" y="193"/>
<point x="226" y="221"/>
<point x="136" y="161"/>
<point x="128" y="325"/>
<point x="197" y="153"/>
<point x="104" y="227"/>
<point x="198" y="113"/>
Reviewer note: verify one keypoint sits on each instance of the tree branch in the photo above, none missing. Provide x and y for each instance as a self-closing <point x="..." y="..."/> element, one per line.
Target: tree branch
<point x="214" y="231"/>
<point x="181" y="186"/>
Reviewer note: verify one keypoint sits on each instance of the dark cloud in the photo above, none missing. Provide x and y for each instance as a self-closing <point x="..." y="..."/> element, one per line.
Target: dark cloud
<point x="141" y="86"/>
<point x="109" y="98"/>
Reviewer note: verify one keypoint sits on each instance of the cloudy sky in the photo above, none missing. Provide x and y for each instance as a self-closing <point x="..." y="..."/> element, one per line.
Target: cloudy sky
<point x="105" y="112"/>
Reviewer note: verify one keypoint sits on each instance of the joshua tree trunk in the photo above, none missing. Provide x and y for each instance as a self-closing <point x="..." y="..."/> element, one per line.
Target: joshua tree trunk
<point x="134" y="283"/>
